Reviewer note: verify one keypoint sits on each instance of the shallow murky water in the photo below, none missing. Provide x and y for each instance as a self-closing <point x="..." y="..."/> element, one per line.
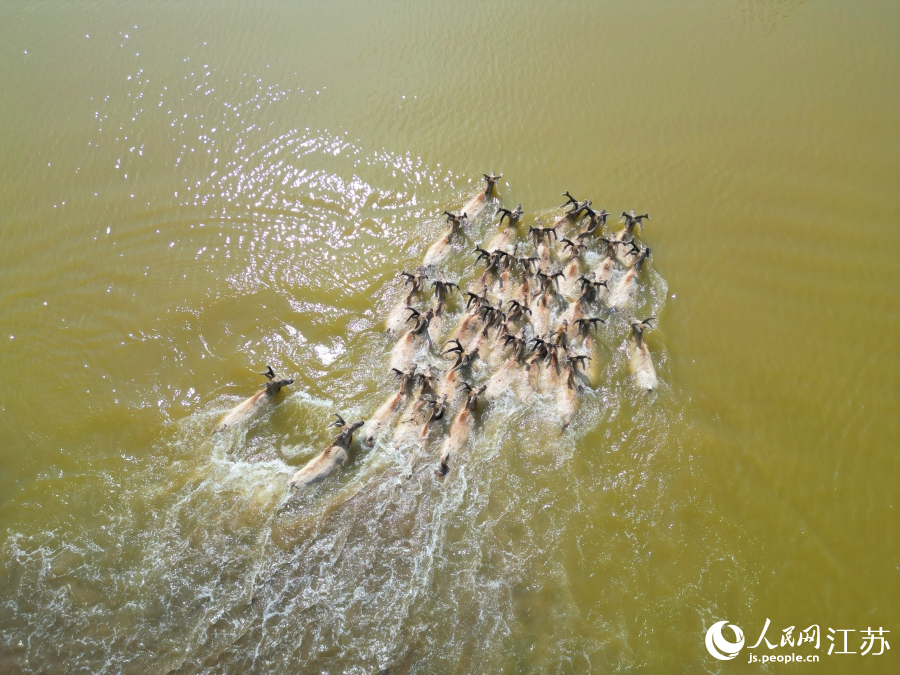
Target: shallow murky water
<point x="191" y="192"/>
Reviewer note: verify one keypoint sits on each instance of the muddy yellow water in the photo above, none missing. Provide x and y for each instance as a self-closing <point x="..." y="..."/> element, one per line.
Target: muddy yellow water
<point x="191" y="191"/>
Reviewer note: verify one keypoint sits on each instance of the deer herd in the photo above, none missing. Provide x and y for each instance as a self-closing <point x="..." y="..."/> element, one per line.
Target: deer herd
<point x="527" y="328"/>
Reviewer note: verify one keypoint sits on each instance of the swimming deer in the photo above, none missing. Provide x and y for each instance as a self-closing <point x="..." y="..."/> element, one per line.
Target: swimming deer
<point x="496" y="264"/>
<point x="542" y="308"/>
<point x="596" y="222"/>
<point x="536" y="233"/>
<point x="470" y="323"/>
<point x="443" y="289"/>
<point x="435" y="408"/>
<point x="516" y="311"/>
<point x="567" y="390"/>
<point x="415" y="281"/>
<point x="544" y="239"/>
<point x="623" y="294"/>
<point x="639" y="357"/>
<point x="542" y="357"/>
<point x="583" y="328"/>
<point x="323" y="466"/>
<point x="493" y="319"/>
<point x="465" y="359"/>
<point x="403" y="352"/>
<point x="574" y="209"/>
<point x="460" y="429"/>
<point x="503" y="237"/>
<point x="605" y="267"/>
<point x="504" y="286"/>
<point x="590" y="290"/>
<point x="523" y="291"/>
<point x="571" y="268"/>
<point x="254" y="405"/>
<point x="397" y="317"/>
<point x="509" y="376"/>
<point x="630" y="220"/>
<point x="439" y="249"/>
<point x="427" y="380"/>
<point x="476" y="206"/>
<point x="377" y="423"/>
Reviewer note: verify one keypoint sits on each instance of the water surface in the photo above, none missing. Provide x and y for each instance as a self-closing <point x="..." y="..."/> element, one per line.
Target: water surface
<point x="191" y="191"/>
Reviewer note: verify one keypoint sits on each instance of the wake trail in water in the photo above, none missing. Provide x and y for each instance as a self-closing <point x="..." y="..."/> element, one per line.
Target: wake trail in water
<point x="208" y="563"/>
